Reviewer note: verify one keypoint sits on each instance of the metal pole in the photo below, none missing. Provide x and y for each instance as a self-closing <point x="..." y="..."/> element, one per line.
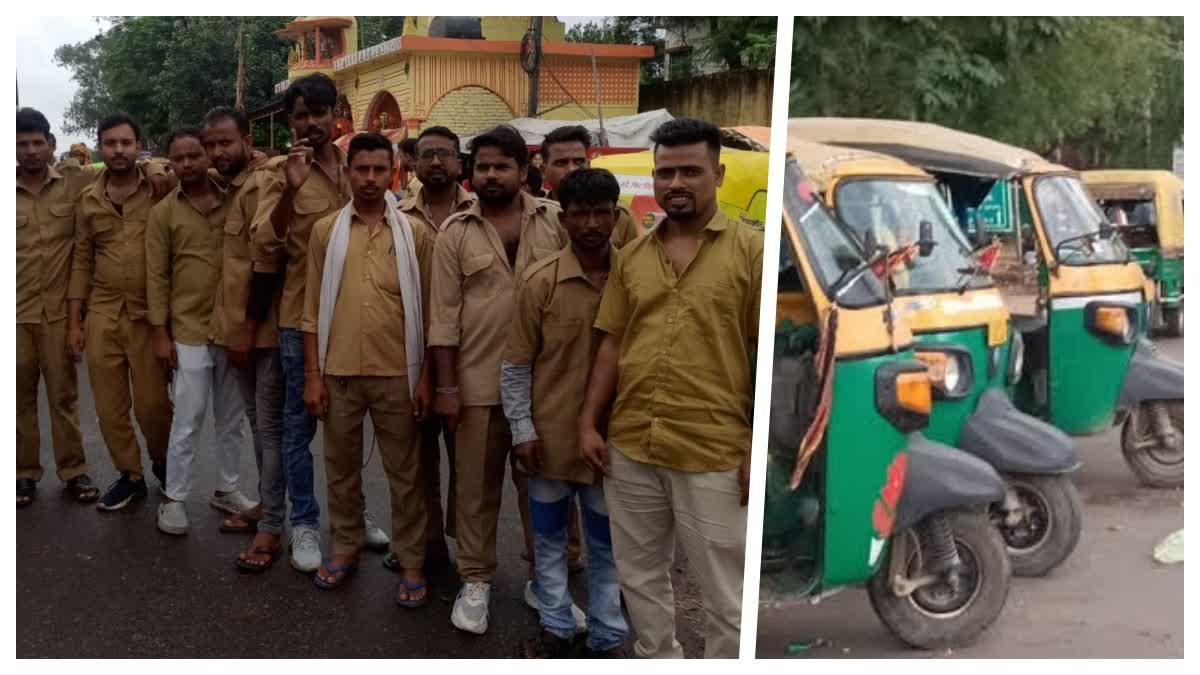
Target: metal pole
<point x="599" y="106"/>
<point x="537" y="71"/>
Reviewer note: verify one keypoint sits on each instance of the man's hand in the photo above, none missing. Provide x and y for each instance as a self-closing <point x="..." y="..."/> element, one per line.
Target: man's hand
<point x="594" y="449"/>
<point x="449" y="407"/>
<point x="299" y="163"/>
<point x="160" y="184"/>
<point x="423" y="396"/>
<point x="316" y="395"/>
<point x="75" y="341"/>
<point x="530" y="454"/>
<point x="164" y="348"/>
<point x="744" y="479"/>
<point x="241" y="342"/>
<point x="257" y="159"/>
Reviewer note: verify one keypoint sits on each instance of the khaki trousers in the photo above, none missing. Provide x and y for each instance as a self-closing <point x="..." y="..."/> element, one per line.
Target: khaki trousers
<point x="120" y="357"/>
<point x="388" y="402"/>
<point x="648" y="506"/>
<point x="42" y="353"/>
<point x="483" y="446"/>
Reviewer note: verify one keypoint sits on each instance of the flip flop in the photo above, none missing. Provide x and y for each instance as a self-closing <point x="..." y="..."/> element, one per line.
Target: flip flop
<point x="247" y="526"/>
<point x="247" y="566"/>
<point x="412" y="604"/>
<point x="345" y="570"/>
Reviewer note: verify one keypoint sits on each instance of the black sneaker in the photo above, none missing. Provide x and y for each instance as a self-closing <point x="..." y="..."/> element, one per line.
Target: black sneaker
<point x="160" y="472"/>
<point x="121" y="493"/>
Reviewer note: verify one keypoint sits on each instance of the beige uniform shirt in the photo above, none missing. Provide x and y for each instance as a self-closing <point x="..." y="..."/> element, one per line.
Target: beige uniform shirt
<point x="366" y="335"/>
<point x="473" y="290"/>
<point x="183" y="265"/>
<point x="683" y="392"/>
<point x="45" y="240"/>
<point x="419" y="212"/>
<point x="237" y="260"/>
<point x="625" y="229"/>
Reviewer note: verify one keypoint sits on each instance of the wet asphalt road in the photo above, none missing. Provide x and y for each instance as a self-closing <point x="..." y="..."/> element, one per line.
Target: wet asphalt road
<point x="1110" y="599"/>
<point x="92" y="584"/>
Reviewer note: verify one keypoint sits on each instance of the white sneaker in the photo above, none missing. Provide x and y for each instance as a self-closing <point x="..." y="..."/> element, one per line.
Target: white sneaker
<point x="471" y="607"/>
<point x="532" y="601"/>
<point x="377" y="539"/>
<point x="234" y="503"/>
<point x="172" y="517"/>
<point x="306" y="549"/>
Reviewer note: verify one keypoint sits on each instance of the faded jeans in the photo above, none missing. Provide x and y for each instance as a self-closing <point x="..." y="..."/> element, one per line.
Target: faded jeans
<point x="298" y="430"/>
<point x="261" y="381"/>
<point x="204" y="373"/>
<point x="549" y="504"/>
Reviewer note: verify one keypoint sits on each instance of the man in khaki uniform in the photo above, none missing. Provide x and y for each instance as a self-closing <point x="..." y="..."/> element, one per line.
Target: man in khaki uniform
<point x="543" y="379"/>
<point x="568" y="149"/>
<point x="680" y="311"/>
<point x="45" y="236"/>
<point x="109" y="273"/>
<point x="368" y="275"/>
<point x="478" y="258"/>
<point x="183" y="263"/>
<point x="438" y="167"/>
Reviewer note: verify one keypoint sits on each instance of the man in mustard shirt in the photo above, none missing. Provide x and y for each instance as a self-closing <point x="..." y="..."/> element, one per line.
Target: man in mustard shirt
<point x="364" y="346"/>
<point x="680" y="313"/>
<point x="183" y="265"/>
<point x="478" y="258"/>
<point x="109" y="274"/>
<point x="568" y="149"/>
<point x="45" y="237"/>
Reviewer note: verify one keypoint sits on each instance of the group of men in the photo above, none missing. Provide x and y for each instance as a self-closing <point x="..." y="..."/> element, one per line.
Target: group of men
<point x="610" y="370"/>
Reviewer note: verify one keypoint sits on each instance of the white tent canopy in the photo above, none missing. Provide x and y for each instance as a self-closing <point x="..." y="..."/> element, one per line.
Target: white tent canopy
<point x="632" y="131"/>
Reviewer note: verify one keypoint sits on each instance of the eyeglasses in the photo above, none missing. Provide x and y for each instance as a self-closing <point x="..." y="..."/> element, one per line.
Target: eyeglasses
<point x="438" y="153"/>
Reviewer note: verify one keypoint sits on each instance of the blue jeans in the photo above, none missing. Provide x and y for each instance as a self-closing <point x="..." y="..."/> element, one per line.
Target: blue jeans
<point x="298" y="430"/>
<point x="549" y="501"/>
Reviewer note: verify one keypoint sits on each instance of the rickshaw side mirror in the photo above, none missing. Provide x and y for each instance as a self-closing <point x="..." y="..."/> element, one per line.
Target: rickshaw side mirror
<point x="925" y="242"/>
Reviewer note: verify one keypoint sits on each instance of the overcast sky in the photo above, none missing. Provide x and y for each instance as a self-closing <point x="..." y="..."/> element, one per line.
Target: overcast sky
<point x="49" y="88"/>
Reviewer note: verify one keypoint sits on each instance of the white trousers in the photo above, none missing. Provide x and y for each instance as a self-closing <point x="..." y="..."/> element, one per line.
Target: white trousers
<point x="203" y="372"/>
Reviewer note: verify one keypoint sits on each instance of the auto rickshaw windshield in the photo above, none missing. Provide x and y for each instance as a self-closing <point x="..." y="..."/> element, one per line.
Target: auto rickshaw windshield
<point x="894" y="210"/>
<point x="1067" y="213"/>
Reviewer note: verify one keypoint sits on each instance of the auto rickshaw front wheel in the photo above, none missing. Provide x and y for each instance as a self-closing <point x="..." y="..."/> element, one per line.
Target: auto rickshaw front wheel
<point x="929" y="610"/>
<point x="1040" y="520"/>
<point x="1172" y="318"/>
<point x="1152" y="442"/>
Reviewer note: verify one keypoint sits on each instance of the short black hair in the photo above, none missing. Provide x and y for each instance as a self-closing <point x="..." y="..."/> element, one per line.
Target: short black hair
<point x="588" y="186"/>
<point x="569" y="134"/>
<point x="507" y="139"/>
<point x="685" y="131"/>
<point x="316" y="90"/>
<point x="32" y="121"/>
<point x="114" y="121"/>
<point x="184" y="132"/>
<point x="444" y="133"/>
<point x="226" y="113"/>
<point x="409" y="146"/>
<point x="367" y="142"/>
<point x="535" y="182"/>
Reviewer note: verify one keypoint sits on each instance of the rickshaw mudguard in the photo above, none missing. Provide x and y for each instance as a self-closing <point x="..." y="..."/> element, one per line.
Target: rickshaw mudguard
<point x="1150" y="377"/>
<point x="940" y="477"/>
<point x="1013" y="442"/>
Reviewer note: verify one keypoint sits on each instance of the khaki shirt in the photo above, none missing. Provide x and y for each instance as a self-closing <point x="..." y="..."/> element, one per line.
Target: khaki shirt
<point x="625" y="229"/>
<point x="109" y="269"/>
<point x="683" y="391"/>
<point x="318" y="197"/>
<point x="473" y="290"/>
<point x="183" y="265"/>
<point x="552" y="330"/>
<point x="419" y="212"/>
<point x="45" y="239"/>
<point x="237" y="259"/>
<point x="366" y="335"/>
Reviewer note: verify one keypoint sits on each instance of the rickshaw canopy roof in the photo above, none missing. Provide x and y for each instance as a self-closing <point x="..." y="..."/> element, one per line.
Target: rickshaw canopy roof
<point x="824" y="163"/>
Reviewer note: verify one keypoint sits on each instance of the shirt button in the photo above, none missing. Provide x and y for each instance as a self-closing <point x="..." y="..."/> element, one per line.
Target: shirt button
<point x="675" y="291"/>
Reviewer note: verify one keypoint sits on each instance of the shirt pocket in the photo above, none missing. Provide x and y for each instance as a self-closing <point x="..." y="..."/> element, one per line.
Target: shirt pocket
<point x="308" y="206"/>
<point x="62" y="221"/>
<point x="234" y="243"/>
<point x="480" y="280"/>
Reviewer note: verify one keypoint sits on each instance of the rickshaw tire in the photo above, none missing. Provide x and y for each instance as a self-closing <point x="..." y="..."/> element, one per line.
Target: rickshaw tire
<point x="1172" y="319"/>
<point x="921" y="630"/>
<point x="1065" y="509"/>
<point x="1149" y="472"/>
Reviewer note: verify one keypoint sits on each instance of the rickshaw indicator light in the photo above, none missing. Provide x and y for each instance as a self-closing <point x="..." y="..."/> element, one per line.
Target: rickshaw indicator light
<point x="1112" y="321"/>
<point x="914" y="393"/>
<point x="903" y="395"/>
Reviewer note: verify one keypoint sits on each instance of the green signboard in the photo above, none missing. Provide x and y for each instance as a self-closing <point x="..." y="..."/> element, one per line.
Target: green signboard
<point x="996" y="209"/>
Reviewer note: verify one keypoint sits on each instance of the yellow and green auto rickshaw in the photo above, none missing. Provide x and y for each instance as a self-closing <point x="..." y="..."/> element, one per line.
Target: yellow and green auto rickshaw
<point x="961" y="330"/>
<point x="1087" y="365"/>
<point x="743" y="194"/>
<point x="1147" y="209"/>
<point x="855" y="495"/>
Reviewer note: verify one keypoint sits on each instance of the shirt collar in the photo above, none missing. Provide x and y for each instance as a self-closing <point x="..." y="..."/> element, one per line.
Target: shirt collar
<point x="569" y="266"/>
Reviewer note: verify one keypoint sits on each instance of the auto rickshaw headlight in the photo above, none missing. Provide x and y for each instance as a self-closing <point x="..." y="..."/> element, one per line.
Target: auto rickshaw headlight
<point x="1016" y="358"/>
<point x="949" y="370"/>
<point x="903" y="394"/>
<point x="1113" y="323"/>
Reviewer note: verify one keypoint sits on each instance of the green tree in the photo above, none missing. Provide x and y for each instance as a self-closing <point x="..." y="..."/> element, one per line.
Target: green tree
<point x="625" y="30"/>
<point x="740" y="42"/>
<point x="373" y="30"/>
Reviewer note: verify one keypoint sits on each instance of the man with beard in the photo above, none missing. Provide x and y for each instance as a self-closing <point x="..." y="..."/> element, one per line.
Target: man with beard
<point x="293" y="192"/>
<point x="183" y="266"/>
<point x="44" y="237"/>
<point x="566" y="150"/>
<point x="478" y="258"/>
<point x="543" y="379"/>
<point x="364" y="345"/>
<point x="440" y="196"/>
<point x="680" y="313"/>
<point x="109" y="273"/>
